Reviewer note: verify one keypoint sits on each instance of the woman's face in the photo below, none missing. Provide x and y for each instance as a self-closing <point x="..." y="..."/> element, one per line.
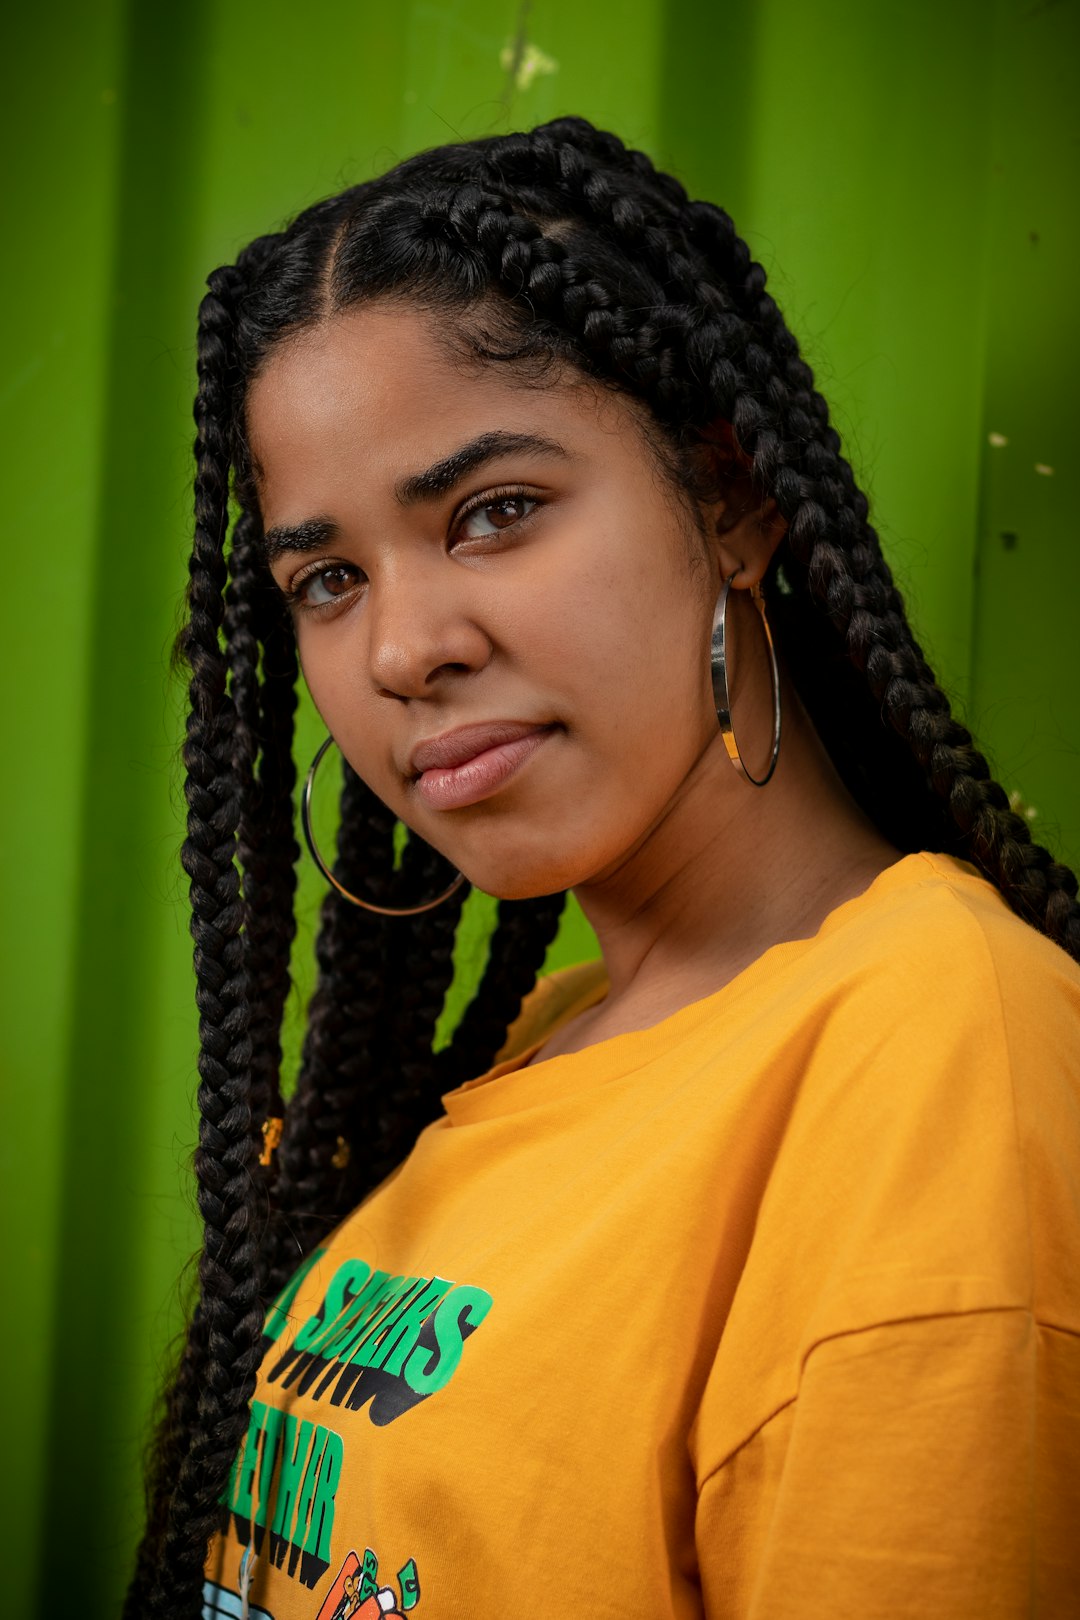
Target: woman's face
<point x="502" y="608"/>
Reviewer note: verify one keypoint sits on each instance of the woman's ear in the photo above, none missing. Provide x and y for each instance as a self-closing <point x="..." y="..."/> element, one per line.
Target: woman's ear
<point x="747" y="536"/>
<point x="743" y="528"/>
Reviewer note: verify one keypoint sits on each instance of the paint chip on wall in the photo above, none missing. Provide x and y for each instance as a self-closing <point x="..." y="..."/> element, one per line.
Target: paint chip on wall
<point x="1043" y="470"/>
<point x="998" y="440"/>
<point x="526" y="63"/>
<point x="1020" y="807"/>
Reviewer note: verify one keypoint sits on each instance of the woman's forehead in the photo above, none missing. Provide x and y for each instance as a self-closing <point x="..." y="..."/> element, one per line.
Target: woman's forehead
<point x="377" y="387"/>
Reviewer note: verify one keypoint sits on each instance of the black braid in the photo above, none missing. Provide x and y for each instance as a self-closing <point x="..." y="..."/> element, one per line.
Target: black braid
<point x="179" y="1412"/>
<point x="519" y="944"/>
<point x="427" y="968"/>
<point x="362" y="1041"/>
<point x="556" y="244"/>
<point x="221" y="1357"/>
<point x="838" y="561"/>
<point x="268" y="850"/>
<point x="344" y="1038"/>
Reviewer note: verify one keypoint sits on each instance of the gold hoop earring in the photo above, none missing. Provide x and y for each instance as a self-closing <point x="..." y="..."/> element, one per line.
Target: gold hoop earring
<point x="316" y="855"/>
<point x="720" y="683"/>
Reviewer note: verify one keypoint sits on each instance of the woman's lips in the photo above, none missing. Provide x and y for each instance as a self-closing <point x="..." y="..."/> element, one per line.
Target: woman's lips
<point x="495" y="761"/>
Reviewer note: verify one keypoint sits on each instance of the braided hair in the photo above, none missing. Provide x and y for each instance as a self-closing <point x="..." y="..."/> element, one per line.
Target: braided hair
<point x="557" y="246"/>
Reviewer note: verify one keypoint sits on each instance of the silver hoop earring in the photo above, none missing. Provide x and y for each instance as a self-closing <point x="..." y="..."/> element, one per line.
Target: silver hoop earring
<point x="354" y="899"/>
<point x="720" y="683"/>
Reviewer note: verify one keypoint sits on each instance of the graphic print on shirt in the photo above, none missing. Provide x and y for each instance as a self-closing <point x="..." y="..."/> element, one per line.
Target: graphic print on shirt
<point x="357" y="1595"/>
<point x="221" y="1604"/>
<point x="283" y="1492"/>
<point x="380" y="1341"/>
<point x="390" y="1341"/>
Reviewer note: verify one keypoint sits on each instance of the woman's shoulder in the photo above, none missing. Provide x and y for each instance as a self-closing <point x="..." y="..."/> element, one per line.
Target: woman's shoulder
<point x="923" y="1078"/>
<point x="945" y="1020"/>
<point x="929" y="942"/>
<point x="932" y="927"/>
<point x="920" y="997"/>
<point x="927" y="987"/>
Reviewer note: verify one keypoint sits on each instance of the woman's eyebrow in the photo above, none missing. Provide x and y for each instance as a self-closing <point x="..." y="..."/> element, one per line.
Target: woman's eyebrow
<point x="442" y="475"/>
<point x="285" y="538"/>
<point x="437" y="479"/>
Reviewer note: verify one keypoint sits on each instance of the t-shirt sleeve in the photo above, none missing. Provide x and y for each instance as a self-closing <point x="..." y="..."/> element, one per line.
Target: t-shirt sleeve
<point x="927" y="1469"/>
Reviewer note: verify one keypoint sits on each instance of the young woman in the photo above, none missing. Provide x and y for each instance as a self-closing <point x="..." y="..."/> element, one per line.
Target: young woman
<point x="743" y="1283"/>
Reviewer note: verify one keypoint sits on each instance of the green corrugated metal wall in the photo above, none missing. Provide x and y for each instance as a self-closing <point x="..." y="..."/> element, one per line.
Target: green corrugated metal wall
<point x="903" y="170"/>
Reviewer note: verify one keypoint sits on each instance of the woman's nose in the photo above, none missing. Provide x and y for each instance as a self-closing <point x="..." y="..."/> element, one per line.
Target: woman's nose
<point x="421" y="632"/>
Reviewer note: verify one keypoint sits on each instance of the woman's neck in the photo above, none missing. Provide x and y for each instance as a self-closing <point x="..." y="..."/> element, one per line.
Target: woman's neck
<point x="729" y="871"/>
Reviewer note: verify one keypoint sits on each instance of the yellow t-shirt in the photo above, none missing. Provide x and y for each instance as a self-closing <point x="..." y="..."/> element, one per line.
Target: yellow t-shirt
<point x="770" y="1310"/>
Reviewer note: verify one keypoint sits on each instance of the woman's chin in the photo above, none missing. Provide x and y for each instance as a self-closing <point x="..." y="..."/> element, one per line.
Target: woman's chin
<point x="515" y="887"/>
<point x="521" y="880"/>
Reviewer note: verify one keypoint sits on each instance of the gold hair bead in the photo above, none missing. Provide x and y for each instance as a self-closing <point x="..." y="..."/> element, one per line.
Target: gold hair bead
<point x="271" y="1132"/>
<point x="343" y="1155"/>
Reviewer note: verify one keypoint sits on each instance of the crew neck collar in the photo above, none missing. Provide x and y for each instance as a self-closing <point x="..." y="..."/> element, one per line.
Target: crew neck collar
<point x="518" y="1083"/>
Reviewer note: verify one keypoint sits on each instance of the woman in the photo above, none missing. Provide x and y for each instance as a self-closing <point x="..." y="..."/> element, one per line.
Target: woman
<point x="739" y="1285"/>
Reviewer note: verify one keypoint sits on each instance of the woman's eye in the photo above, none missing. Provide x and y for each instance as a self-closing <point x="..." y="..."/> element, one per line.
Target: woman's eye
<point x="328" y="585"/>
<point x="494" y="516"/>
